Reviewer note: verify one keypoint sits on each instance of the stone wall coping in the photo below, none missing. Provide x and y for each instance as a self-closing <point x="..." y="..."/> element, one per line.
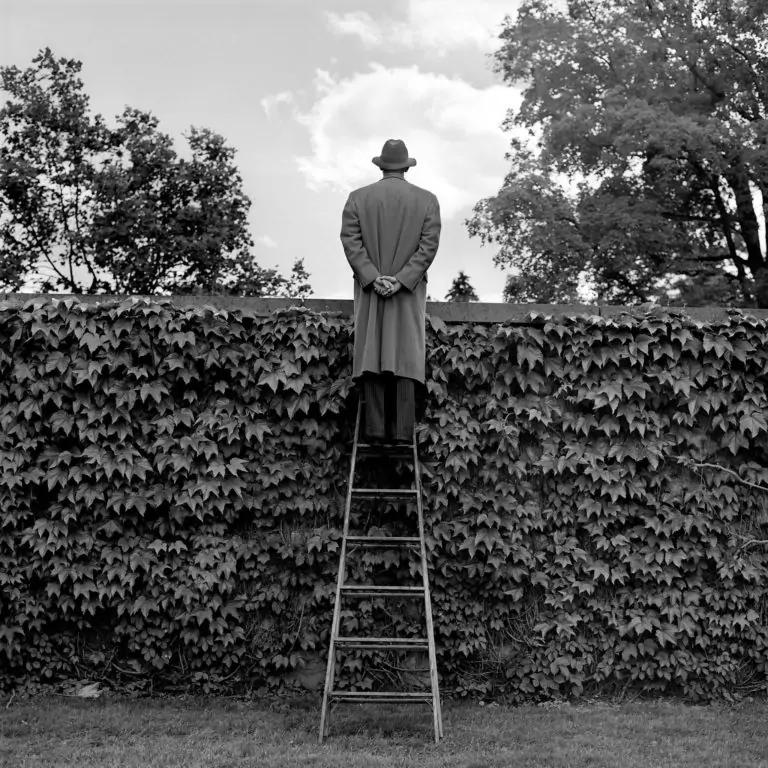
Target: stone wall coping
<point x="449" y="312"/>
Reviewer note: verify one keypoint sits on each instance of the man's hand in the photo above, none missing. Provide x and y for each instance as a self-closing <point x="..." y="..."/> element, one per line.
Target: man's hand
<point x="386" y="285"/>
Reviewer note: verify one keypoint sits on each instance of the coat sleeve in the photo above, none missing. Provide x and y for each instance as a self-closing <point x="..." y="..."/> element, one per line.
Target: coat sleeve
<point x="352" y="240"/>
<point x="413" y="270"/>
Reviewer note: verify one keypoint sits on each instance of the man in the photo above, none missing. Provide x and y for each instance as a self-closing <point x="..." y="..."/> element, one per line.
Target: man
<point x="390" y="231"/>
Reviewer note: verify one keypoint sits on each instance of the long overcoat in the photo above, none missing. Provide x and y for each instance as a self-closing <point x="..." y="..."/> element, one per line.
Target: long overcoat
<point x="391" y="227"/>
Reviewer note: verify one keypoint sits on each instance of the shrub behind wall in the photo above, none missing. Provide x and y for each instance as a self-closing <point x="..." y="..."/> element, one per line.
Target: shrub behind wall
<point x="172" y="485"/>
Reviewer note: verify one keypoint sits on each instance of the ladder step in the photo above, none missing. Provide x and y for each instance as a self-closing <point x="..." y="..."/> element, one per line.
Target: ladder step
<point x="394" y="450"/>
<point x="383" y="541"/>
<point x="382" y="642"/>
<point x="385" y="446"/>
<point x="385" y="493"/>
<point x="371" y="590"/>
<point x="384" y="455"/>
<point x="381" y="696"/>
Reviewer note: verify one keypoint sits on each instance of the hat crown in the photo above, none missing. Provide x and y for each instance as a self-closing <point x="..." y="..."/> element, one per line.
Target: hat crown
<point x="394" y="150"/>
<point x="394" y="154"/>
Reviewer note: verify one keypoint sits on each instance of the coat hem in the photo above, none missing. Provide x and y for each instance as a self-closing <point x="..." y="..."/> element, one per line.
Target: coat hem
<point x="402" y="374"/>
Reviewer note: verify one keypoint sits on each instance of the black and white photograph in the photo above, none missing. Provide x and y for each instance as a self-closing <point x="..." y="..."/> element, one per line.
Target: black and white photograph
<point x="383" y="384"/>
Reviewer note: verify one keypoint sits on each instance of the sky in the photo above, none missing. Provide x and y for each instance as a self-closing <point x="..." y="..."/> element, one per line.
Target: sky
<point x="306" y="91"/>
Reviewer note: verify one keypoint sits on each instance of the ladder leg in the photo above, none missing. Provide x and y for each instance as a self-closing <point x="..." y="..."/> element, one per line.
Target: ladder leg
<point x="436" y="708"/>
<point x="439" y="715"/>
<point x="330" y="670"/>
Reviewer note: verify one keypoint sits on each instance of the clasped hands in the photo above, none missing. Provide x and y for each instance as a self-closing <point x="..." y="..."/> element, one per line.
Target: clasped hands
<point x="386" y="285"/>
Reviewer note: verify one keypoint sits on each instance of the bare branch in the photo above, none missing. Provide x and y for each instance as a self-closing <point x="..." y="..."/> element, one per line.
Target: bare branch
<point x="749" y="542"/>
<point x="708" y="465"/>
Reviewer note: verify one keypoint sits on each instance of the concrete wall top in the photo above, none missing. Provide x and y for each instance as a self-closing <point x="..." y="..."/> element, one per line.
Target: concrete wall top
<point x="449" y="312"/>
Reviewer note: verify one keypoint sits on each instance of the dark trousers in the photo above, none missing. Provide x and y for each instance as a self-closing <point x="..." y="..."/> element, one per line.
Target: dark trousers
<point x="389" y="412"/>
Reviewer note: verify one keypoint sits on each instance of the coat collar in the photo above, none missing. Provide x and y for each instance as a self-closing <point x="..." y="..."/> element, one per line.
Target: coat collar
<point x="392" y="176"/>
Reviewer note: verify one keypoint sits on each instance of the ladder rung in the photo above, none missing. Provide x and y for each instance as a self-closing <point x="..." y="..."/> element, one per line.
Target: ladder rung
<point x="386" y="447"/>
<point x="382" y="642"/>
<point x="383" y="541"/>
<point x="371" y="590"/>
<point x="384" y="493"/>
<point x="384" y="455"/>
<point x="381" y="696"/>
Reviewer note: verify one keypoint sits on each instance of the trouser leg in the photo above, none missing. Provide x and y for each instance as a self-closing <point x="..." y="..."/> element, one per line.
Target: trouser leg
<point x="402" y="414"/>
<point x="374" y="392"/>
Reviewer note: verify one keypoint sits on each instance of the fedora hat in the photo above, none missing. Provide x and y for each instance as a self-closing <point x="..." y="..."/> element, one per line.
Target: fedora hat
<point x="394" y="155"/>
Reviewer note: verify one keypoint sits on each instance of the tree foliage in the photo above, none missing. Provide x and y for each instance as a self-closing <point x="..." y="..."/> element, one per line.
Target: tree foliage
<point x="649" y="176"/>
<point x="461" y="289"/>
<point x="115" y="209"/>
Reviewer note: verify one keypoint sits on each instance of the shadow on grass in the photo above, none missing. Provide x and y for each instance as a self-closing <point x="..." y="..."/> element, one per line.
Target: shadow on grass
<point x="381" y="721"/>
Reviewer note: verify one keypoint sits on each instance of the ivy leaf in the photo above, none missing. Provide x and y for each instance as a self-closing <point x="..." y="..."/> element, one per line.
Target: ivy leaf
<point x="236" y="465"/>
<point x="752" y="424"/>
<point x="90" y="340"/>
<point x="437" y="323"/>
<point x="271" y="379"/>
<point x="257" y="429"/>
<point x="531" y="355"/>
<point x="154" y="389"/>
<point x="682" y="385"/>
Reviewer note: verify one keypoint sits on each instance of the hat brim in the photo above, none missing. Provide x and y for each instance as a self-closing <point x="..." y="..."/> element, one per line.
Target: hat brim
<point x="409" y="163"/>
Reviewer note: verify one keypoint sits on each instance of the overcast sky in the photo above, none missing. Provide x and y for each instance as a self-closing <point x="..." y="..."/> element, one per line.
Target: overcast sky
<point x="306" y="91"/>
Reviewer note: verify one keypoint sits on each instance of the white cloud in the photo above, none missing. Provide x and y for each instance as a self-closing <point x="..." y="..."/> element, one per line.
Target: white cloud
<point x="358" y="23"/>
<point x="436" y="25"/>
<point x="270" y="102"/>
<point x="451" y="127"/>
<point x="266" y="241"/>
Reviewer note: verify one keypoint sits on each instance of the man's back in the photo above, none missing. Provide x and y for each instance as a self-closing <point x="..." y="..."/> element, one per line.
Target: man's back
<point x="392" y="216"/>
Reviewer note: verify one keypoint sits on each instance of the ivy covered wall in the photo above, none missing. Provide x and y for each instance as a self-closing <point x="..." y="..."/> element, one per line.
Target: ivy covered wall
<point x="172" y="484"/>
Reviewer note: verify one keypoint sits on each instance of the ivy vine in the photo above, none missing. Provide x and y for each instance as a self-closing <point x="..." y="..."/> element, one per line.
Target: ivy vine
<point x="172" y="486"/>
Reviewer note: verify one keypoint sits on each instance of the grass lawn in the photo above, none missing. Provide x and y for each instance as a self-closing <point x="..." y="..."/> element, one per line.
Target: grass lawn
<point x="57" y="730"/>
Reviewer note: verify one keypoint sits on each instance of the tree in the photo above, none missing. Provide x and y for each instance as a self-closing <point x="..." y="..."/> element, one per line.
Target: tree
<point x="461" y="289"/>
<point x="49" y="149"/>
<point x="649" y="176"/>
<point x="164" y="223"/>
<point x="250" y="279"/>
<point x="99" y="209"/>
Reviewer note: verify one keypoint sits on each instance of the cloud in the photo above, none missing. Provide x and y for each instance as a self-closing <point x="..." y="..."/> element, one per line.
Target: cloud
<point x="451" y="127"/>
<point x="270" y="102"/>
<point x="266" y="241"/>
<point x="357" y="23"/>
<point x="436" y="25"/>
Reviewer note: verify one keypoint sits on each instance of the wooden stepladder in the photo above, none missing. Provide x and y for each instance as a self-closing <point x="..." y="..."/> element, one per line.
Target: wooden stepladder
<point x="344" y="591"/>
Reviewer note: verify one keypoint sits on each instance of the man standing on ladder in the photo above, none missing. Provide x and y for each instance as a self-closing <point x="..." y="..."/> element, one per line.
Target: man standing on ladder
<point x="390" y="232"/>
